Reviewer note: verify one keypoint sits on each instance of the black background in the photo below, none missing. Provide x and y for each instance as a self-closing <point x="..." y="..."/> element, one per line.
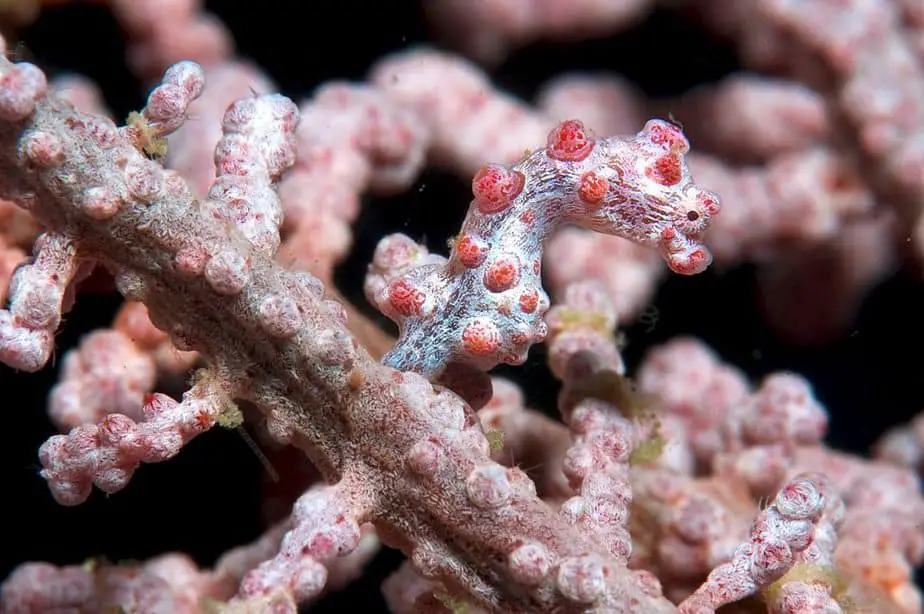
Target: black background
<point x="207" y="499"/>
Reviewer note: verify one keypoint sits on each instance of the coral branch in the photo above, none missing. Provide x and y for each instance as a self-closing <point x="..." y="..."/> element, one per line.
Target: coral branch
<point x="38" y="296"/>
<point x="107" y="454"/>
<point x="780" y="533"/>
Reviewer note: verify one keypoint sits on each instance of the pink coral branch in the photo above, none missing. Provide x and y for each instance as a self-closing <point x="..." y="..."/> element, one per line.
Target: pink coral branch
<point x="783" y="530"/>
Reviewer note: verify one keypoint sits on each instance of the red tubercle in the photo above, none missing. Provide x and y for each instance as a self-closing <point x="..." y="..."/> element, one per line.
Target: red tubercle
<point x="593" y="188"/>
<point x="472" y="251"/>
<point x="666" y="170"/>
<point x="529" y="301"/>
<point x="495" y="188"/>
<point x="203" y="420"/>
<point x="502" y="275"/>
<point x="405" y="298"/>
<point x="690" y="263"/>
<point x="514" y="358"/>
<point x="709" y="203"/>
<point x="570" y="142"/>
<point x="667" y="134"/>
<point x="519" y="338"/>
<point x="481" y="338"/>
